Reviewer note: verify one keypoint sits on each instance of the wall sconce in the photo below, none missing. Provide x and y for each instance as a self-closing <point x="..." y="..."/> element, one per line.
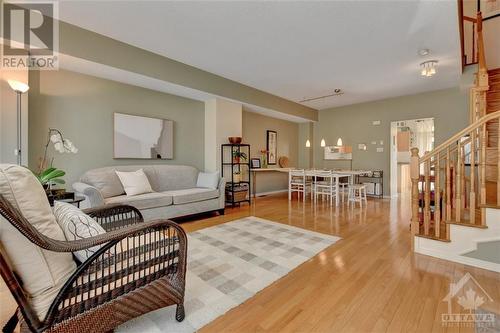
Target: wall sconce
<point x="323" y="143"/>
<point x="308" y="143"/>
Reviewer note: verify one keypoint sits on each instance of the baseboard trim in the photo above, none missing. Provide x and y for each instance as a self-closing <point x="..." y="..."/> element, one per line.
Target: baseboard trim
<point x="260" y="194"/>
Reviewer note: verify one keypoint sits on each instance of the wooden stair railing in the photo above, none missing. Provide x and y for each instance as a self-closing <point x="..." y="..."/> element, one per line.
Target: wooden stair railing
<point x="449" y="183"/>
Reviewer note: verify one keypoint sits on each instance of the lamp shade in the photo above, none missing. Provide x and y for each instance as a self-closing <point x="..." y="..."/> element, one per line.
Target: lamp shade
<point x="339" y="142"/>
<point x="323" y="143"/>
<point x="308" y="143"/>
<point x="18" y="86"/>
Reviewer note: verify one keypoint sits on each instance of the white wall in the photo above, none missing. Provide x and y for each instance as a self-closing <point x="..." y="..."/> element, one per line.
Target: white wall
<point x="222" y="119"/>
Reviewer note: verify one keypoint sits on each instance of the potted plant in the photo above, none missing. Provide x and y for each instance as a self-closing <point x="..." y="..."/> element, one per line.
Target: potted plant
<point x="47" y="174"/>
<point x="238" y="156"/>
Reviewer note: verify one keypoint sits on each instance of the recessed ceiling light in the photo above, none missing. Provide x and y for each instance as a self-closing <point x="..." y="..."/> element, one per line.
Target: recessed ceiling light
<point x="424" y="52"/>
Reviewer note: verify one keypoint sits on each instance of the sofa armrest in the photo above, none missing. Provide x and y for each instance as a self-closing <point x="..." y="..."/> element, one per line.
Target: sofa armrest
<point x="91" y="194"/>
<point x="222" y="192"/>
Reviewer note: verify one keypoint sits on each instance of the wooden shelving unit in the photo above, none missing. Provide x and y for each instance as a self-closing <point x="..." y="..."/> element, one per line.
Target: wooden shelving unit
<point x="376" y="178"/>
<point x="237" y="191"/>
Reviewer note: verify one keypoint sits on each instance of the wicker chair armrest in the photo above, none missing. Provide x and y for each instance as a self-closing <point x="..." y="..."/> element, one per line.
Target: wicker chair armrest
<point x="112" y="217"/>
<point x="114" y="235"/>
<point x="156" y="250"/>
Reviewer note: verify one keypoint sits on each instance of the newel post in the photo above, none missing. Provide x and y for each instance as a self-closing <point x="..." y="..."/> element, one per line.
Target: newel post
<point x="415" y="175"/>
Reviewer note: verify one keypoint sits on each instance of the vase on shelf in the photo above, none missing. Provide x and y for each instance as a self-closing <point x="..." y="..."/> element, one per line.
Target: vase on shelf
<point x="264" y="161"/>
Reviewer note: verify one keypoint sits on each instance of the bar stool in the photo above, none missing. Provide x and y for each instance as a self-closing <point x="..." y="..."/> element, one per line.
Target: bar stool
<point x="357" y="193"/>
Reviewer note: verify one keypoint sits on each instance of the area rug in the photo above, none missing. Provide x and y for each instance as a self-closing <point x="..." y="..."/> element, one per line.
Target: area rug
<point x="228" y="264"/>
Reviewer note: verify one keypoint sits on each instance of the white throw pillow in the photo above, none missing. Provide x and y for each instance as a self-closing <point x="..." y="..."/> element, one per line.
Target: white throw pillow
<point x="77" y="225"/>
<point x="208" y="180"/>
<point x="135" y="182"/>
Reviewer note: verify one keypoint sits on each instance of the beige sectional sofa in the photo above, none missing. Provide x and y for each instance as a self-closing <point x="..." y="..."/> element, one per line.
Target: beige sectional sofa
<point x="175" y="192"/>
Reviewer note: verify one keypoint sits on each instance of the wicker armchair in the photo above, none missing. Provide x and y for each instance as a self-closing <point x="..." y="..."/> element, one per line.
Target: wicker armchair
<point x="141" y="267"/>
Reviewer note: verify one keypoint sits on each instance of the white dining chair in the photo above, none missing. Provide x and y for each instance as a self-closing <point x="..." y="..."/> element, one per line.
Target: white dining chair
<point x="297" y="182"/>
<point x="323" y="185"/>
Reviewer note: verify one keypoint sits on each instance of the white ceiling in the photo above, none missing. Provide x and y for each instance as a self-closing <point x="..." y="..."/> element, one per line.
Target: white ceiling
<point x="296" y="49"/>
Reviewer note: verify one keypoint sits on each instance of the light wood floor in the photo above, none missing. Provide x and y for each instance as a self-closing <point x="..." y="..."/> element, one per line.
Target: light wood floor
<point x="369" y="281"/>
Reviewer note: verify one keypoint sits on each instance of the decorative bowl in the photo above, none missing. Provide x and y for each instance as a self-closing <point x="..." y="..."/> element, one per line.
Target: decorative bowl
<point x="235" y="140"/>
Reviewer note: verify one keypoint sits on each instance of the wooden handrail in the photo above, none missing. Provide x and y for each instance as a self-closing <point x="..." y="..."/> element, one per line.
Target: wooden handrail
<point x="481" y="121"/>
<point x="470" y="19"/>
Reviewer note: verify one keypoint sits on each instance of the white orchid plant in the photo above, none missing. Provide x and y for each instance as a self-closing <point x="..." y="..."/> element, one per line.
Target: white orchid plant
<point x="47" y="174"/>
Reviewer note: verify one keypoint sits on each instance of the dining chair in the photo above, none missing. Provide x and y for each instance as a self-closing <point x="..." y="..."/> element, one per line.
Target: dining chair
<point x="323" y="185"/>
<point x="297" y="182"/>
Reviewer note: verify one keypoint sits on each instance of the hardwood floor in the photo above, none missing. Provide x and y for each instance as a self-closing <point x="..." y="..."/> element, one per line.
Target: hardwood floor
<point x="369" y="281"/>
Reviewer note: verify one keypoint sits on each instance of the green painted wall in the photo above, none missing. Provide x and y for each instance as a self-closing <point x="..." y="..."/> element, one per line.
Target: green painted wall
<point x="353" y="124"/>
<point x="255" y="128"/>
<point x="82" y="108"/>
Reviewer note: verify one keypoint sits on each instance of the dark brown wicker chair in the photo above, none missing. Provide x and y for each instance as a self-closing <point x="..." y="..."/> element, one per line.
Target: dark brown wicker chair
<point x="141" y="267"/>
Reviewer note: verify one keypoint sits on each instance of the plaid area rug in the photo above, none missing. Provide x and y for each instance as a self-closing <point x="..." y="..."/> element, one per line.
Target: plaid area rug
<point x="228" y="264"/>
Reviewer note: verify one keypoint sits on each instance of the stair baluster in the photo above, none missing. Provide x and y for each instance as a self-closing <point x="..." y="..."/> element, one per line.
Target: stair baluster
<point x="437" y="198"/>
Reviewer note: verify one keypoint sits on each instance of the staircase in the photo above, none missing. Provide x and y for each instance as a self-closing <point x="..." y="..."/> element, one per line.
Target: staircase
<point x="456" y="187"/>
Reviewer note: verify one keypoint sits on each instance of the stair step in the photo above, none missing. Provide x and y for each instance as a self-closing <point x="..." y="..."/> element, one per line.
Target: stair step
<point x="494" y="71"/>
<point x="494" y="206"/>
<point x="466" y="223"/>
<point x="493" y="96"/>
<point x="435" y="238"/>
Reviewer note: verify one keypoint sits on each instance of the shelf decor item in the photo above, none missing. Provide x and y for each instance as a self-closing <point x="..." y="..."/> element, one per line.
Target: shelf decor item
<point x="272" y="147"/>
<point x="264" y="158"/>
<point x="236" y="167"/>
<point x="235" y="140"/>
<point x="255" y="163"/>
<point x="238" y="156"/>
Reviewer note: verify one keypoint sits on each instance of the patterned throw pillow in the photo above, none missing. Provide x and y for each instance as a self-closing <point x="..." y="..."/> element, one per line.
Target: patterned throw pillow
<point x="77" y="225"/>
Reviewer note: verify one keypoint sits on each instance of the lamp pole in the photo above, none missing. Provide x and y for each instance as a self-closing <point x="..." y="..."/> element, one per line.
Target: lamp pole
<point x="19" y="88"/>
<point x="19" y="129"/>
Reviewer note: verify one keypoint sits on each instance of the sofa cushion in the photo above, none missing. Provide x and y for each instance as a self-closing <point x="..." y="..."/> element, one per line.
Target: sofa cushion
<point x="208" y="180"/>
<point x="42" y="272"/>
<point x="105" y="180"/>
<point x="77" y="225"/>
<point x="142" y="201"/>
<point x="192" y="195"/>
<point x="134" y="182"/>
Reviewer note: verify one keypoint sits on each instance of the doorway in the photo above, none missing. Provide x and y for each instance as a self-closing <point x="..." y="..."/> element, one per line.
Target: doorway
<point x="407" y="134"/>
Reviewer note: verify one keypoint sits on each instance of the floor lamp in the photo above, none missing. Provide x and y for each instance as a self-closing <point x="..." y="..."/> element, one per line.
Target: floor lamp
<point x="20" y="88"/>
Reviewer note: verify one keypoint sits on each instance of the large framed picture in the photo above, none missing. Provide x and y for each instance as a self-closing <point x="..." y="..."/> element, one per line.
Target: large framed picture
<point x="489" y="8"/>
<point x="272" y="147"/>
<point x="142" y="137"/>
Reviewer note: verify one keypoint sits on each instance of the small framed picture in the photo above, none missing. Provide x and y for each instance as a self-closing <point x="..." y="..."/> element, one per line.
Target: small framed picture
<point x="255" y="163"/>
